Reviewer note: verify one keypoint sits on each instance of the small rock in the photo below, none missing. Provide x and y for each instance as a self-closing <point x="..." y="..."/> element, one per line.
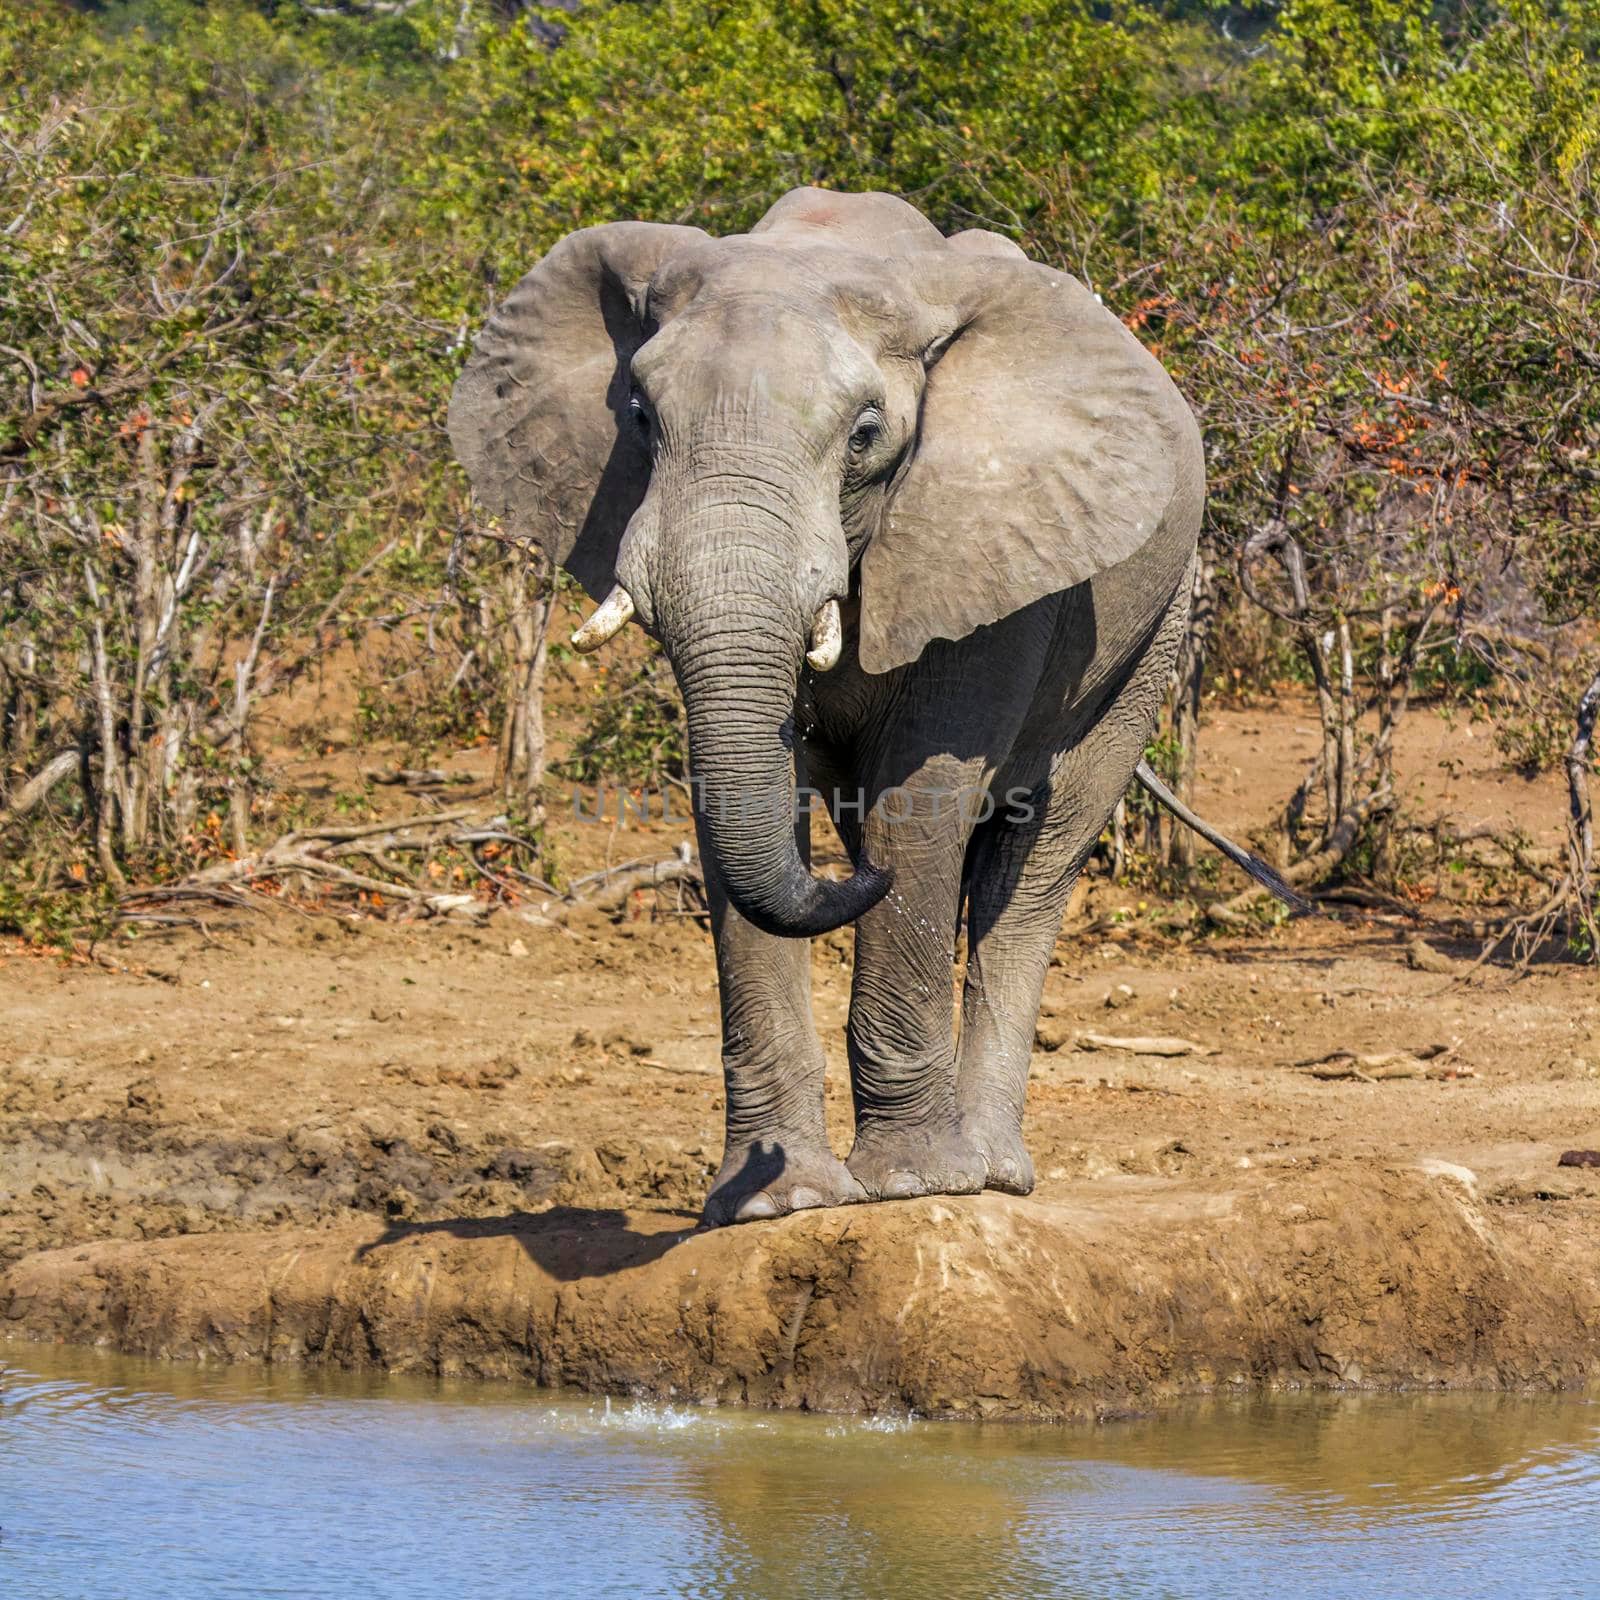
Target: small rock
<point x="382" y="1126"/>
<point x="516" y="948"/>
<point x="1052" y="1033"/>
<point x="498" y="1073"/>
<point x="316" y="1148"/>
<point x="143" y="1095"/>
<point x="1579" y="1158"/>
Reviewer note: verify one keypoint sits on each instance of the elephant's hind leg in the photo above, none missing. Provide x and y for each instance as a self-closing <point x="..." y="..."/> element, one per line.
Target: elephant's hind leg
<point x="1023" y="873"/>
<point x="776" y="1157"/>
<point x="1021" y="876"/>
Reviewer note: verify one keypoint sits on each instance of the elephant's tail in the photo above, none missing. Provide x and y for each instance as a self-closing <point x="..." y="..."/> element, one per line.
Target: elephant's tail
<point x="1253" y="864"/>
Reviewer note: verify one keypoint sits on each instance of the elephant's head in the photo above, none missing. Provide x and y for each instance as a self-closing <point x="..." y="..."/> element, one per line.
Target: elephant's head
<point x="726" y="437"/>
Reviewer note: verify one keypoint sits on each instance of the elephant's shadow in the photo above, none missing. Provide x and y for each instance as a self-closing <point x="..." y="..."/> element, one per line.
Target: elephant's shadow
<point x="572" y="1242"/>
<point x="566" y="1242"/>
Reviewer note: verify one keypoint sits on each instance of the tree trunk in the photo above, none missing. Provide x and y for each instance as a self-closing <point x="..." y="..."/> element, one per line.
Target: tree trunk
<point x="529" y="601"/>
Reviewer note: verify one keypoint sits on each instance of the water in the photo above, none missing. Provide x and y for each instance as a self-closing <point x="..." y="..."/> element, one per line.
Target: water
<point x="128" y="1480"/>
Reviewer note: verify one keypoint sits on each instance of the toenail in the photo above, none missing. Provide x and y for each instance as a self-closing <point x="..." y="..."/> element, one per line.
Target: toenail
<point x="902" y="1186"/>
<point x="756" y="1207"/>
<point x="803" y="1199"/>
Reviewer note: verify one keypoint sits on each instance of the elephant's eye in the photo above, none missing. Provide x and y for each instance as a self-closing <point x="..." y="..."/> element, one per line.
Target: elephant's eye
<point x="640" y="413"/>
<point x="866" y="434"/>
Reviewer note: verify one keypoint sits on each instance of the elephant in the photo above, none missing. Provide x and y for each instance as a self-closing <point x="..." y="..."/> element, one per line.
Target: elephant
<point x="914" y="519"/>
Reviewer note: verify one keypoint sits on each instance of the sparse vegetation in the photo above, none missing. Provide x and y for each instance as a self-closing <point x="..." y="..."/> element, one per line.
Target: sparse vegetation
<point x="243" y="248"/>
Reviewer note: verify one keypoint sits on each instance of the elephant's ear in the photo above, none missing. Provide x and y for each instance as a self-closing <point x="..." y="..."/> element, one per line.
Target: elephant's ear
<point x="1051" y="444"/>
<point x="539" y="416"/>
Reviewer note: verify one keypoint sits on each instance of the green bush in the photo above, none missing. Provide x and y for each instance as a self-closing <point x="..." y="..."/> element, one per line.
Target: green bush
<point x="245" y="249"/>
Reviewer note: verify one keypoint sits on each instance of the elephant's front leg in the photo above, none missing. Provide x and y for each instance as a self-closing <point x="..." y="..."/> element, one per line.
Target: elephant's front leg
<point x="909" y="1137"/>
<point x="776" y="1157"/>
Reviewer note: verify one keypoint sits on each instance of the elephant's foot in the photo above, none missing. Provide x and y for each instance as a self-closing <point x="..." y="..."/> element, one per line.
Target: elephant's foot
<point x="895" y="1163"/>
<point x="1010" y="1167"/>
<point x="772" y="1177"/>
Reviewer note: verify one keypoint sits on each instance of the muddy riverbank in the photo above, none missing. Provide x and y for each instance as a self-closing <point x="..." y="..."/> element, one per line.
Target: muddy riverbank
<point x="484" y="1150"/>
<point x="1121" y="1298"/>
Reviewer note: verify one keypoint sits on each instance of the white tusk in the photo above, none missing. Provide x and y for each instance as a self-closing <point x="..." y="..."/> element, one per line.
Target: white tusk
<point x="614" y="614"/>
<point x="827" y="638"/>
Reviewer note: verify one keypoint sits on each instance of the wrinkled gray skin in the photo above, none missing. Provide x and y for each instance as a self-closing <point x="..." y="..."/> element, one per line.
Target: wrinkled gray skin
<point x="1004" y="490"/>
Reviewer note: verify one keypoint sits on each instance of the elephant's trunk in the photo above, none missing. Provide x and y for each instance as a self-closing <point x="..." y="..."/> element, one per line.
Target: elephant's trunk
<point x="735" y="629"/>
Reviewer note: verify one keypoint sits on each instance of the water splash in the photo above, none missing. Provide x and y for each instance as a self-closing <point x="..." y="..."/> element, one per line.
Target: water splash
<point x="658" y="1416"/>
<point x="880" y="1422"/>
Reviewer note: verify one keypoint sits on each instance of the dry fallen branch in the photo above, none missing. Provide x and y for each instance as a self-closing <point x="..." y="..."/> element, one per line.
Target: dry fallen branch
<point x="360" y="860"/>
<point x="1389" y="1072"/>
<point x="1431" y="1061"/>
<point x="608" y="891"/>
<point x="135" y="901"/>
<point x="319" y="854"/>
<point x="1484" y="845"/>
<point x="1145" y="1045"/>
<point x="669" y="1066"/>
<point x="418" y="778"/>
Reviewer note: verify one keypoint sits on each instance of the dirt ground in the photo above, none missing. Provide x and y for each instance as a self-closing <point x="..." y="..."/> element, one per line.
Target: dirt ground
<point x="484" y="1149"/>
